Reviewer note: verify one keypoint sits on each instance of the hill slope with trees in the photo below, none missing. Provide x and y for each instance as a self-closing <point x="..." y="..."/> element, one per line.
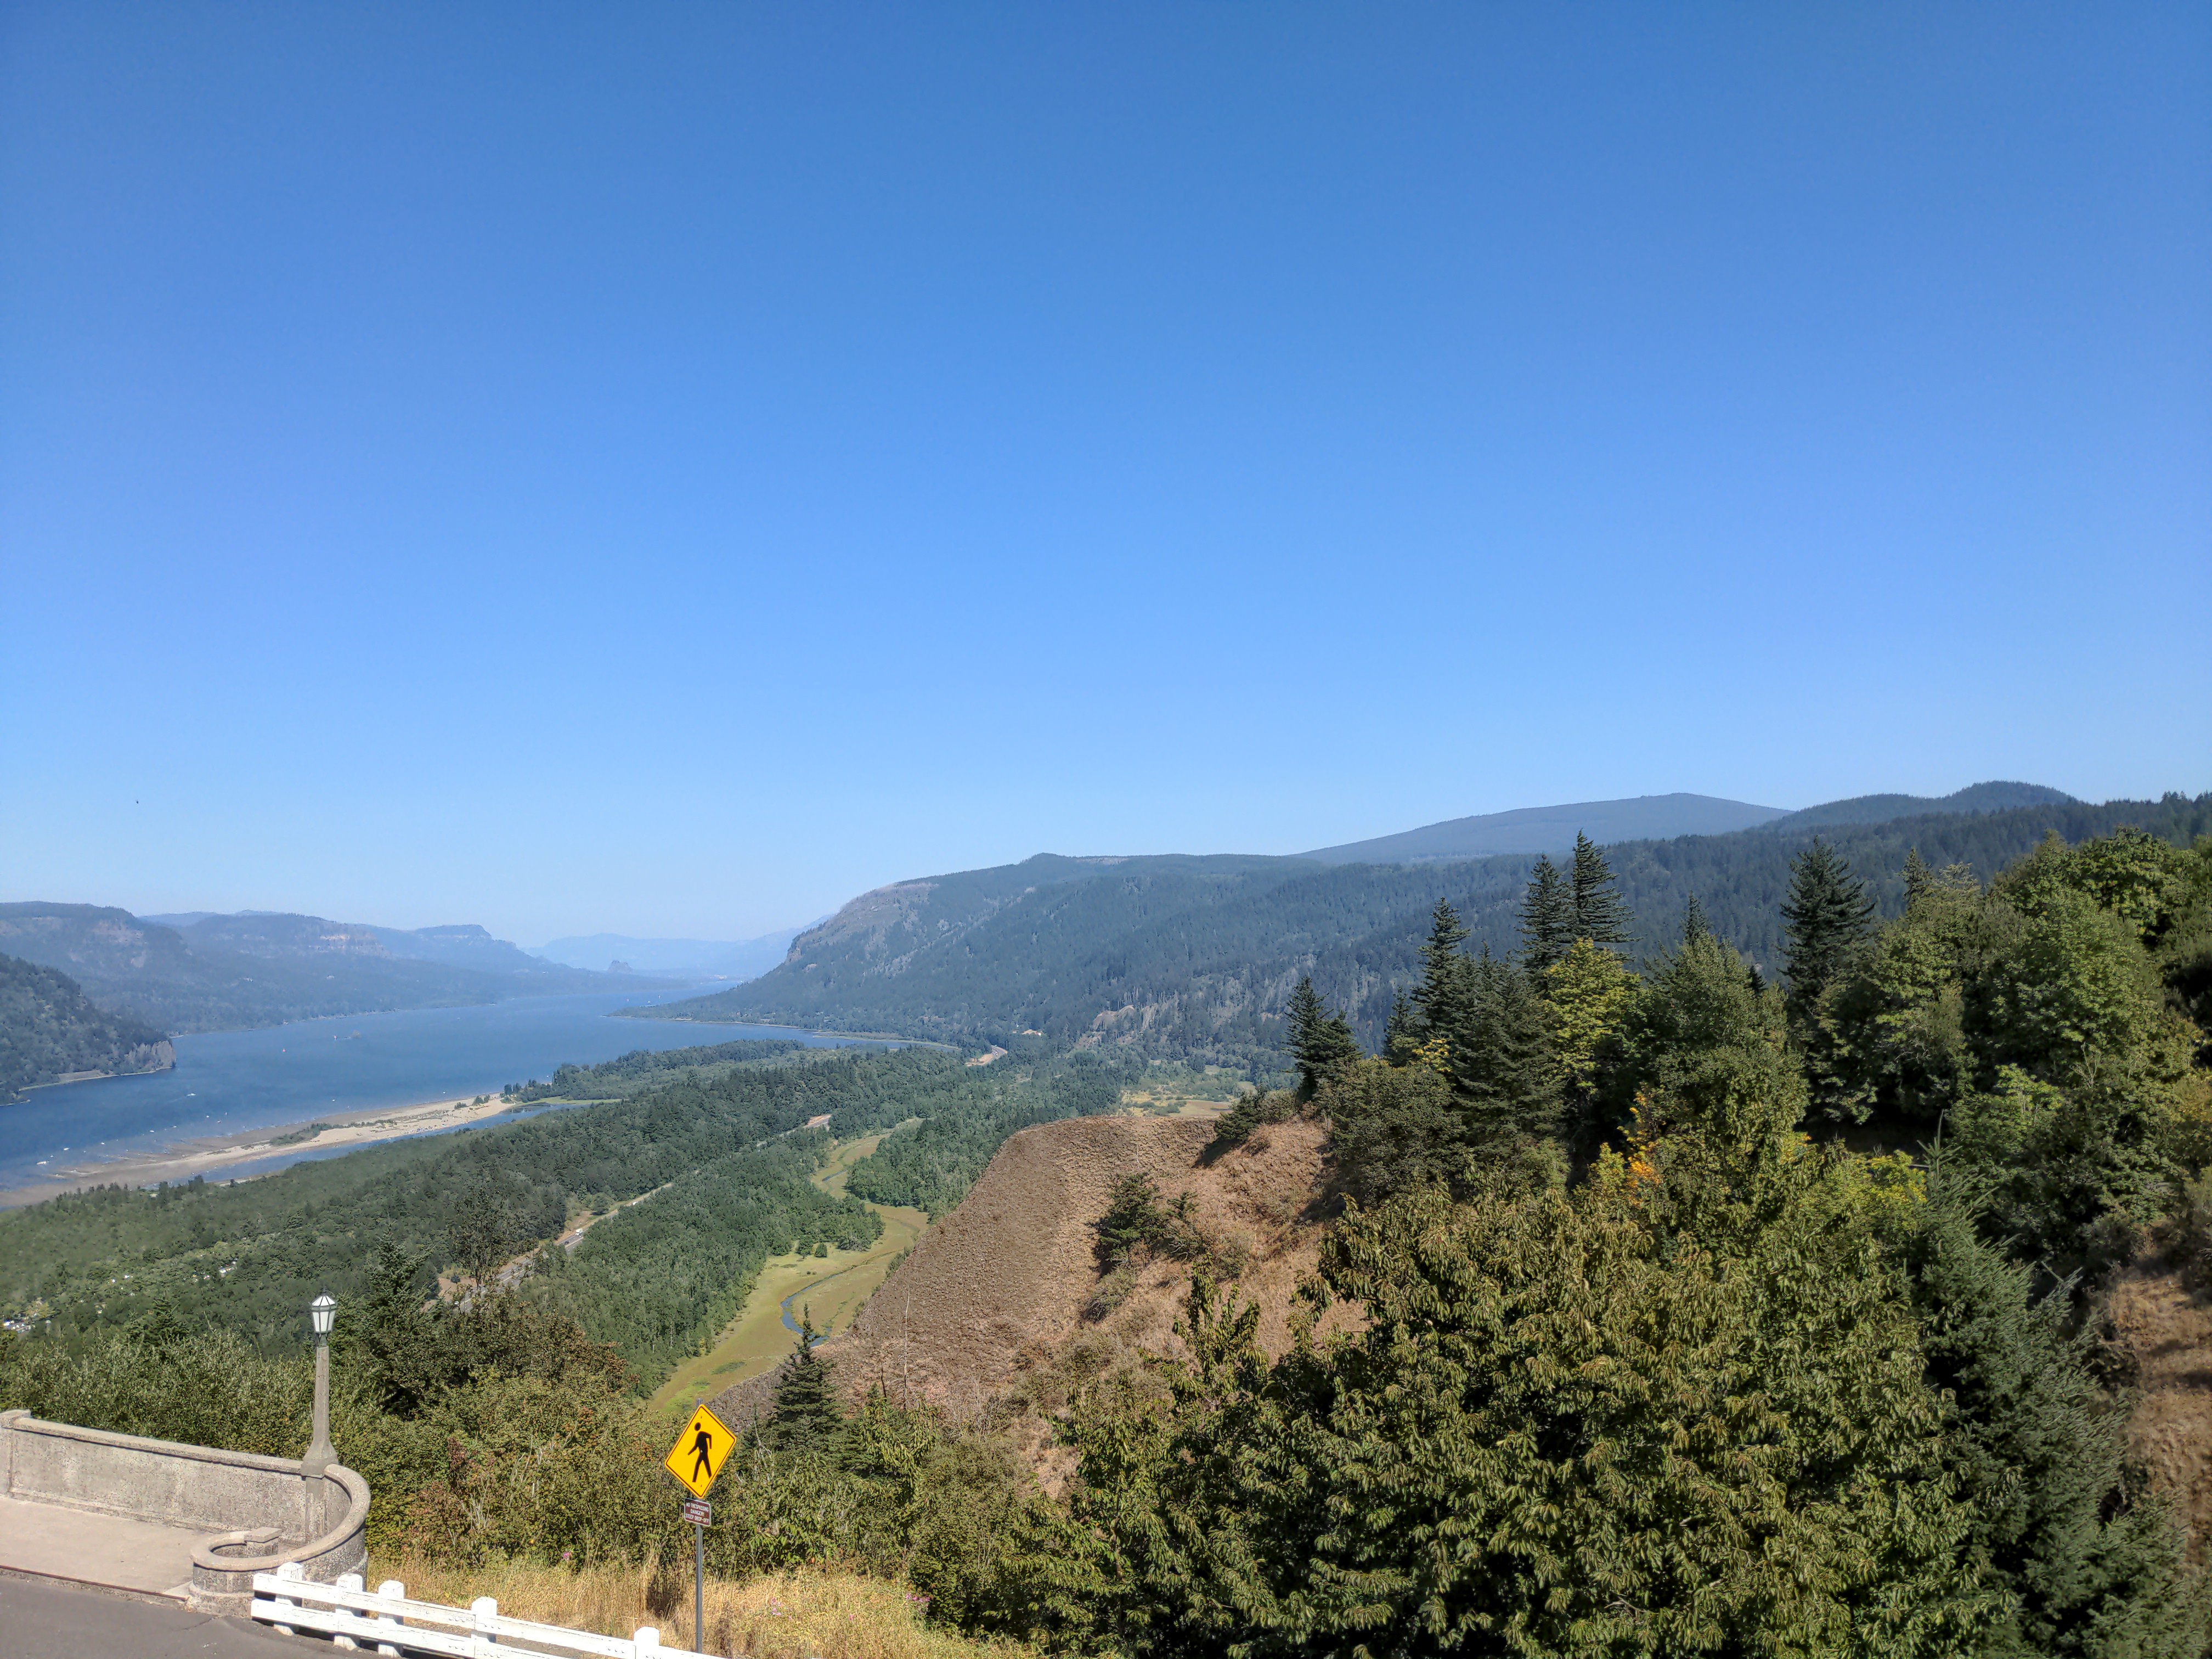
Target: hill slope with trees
<point x="50" y="1029"/>
<point x="1194" y="959"/>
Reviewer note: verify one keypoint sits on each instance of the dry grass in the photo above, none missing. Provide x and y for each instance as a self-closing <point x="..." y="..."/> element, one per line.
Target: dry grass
<point x="1012" y="1272"/>
<point x="2166" y="1328"/>
<point x="797" y="1615"/>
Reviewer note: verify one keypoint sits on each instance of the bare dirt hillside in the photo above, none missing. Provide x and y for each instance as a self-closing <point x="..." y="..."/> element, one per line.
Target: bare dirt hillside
<point x="997" y="1312"/>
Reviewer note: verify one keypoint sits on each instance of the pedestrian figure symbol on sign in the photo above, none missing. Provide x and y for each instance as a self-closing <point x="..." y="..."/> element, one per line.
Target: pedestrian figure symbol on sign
<point x="700" y="1451"/>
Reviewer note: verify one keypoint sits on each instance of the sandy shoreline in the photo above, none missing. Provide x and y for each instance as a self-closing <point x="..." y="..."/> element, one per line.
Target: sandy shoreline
<point x="212" y="1153"/>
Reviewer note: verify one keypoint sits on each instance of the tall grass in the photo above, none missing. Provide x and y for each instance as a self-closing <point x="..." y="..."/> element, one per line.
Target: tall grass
<point x="784" y="1615"/>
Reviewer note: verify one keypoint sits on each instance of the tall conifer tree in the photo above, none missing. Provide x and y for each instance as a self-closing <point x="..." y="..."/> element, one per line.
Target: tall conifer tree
<point x="1320" y="1042"/>
<point x="1547" y="916"/>
<point x="1442" y="1000"/>
<point x="1694" y="925"/>
<point x="1601" y="916"/>
<point x="1501" y="1061"/>
<point x="806" y="1418"/>
<point x="1828" y="913"/>
<point x="1400" y="1045"/>
<point x="1303" y="1015"/>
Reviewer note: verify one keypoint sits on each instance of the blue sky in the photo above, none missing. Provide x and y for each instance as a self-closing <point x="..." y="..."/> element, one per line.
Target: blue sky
<point x="665" y="469"/>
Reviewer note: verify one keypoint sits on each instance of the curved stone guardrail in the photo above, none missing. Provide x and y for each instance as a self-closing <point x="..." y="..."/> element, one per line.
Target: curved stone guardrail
<point x="265" y="1511"/>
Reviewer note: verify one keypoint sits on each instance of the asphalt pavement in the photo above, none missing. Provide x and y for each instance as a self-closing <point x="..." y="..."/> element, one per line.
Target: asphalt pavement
<point x="47" y="1621"/>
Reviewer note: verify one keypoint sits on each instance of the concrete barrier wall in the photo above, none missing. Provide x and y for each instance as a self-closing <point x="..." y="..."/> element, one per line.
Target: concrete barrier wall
<point x="267" y="1511"/>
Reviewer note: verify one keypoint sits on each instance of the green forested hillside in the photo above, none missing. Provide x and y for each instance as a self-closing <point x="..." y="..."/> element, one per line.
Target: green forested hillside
<point x="49" y="1028"/>
<point x="1879" y="809"/>
<point x="642" y="1069"/>
<point x="1192" y="959"/>
<point x="225" y="973"/>
<point x="720" y="1152"/>
<point x="931" y="1164"/>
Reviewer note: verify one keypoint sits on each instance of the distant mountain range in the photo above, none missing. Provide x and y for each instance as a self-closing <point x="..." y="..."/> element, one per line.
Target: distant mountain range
<point x="1974" y="798"/>
<point x="1192" y="956"/>
<point x="1176" y="954"/>
<point x="679" y="958"/>
<point x="214" y="972"/>
<point x="1553" y="828"/>
<point x="1657" y="817"/>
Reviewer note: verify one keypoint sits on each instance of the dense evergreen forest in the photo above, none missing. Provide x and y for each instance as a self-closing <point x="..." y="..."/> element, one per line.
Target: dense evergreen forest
<point x="1664" y="1351"/>
<point x="1193" y="959"/>
<point x="648" y="1068"/>
<point x="49" y="1028"/>
<point x="228" y="973"/>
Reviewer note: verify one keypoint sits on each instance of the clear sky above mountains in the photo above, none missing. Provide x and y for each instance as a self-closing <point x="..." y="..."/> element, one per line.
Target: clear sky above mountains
<point x="660" y="471"/>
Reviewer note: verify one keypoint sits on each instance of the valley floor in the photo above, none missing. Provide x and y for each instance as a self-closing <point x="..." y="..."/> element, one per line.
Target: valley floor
<point x="832" y="1287"/>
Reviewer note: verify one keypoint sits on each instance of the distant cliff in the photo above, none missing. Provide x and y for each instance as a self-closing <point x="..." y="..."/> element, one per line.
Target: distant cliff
<point x="50" y="1032"/>
<point x="209" y="973"/>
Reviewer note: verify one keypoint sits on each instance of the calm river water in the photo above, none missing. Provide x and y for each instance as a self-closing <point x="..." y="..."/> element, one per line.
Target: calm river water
<point x="228" y="1081"/>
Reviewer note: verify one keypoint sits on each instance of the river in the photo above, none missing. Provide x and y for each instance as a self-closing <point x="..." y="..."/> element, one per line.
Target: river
<point x="225" y="1082"/>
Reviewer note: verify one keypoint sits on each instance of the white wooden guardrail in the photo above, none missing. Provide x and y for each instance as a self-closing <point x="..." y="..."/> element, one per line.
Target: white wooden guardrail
<point x="386" y="1622"/>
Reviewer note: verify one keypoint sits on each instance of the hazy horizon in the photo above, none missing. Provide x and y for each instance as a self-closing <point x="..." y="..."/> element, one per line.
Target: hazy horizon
<point x="541" y="943"/>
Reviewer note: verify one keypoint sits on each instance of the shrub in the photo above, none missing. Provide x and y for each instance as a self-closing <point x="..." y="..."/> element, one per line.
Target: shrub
<point x="1110" y="1293"/>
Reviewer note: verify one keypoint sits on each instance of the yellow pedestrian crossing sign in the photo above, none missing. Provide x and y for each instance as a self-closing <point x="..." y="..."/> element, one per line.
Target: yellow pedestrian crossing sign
<point x="700" y="1451"/>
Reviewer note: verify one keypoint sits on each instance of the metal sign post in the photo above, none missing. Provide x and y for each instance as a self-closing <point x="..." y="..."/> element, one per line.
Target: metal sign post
<point x="696" y="1459"/>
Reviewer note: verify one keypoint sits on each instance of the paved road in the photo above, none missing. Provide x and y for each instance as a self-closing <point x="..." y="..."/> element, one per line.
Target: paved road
<point x="44" y="1621"/>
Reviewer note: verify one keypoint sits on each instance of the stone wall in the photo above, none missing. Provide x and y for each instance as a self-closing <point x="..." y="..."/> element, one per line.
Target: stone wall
<point x="265" y="1511"/>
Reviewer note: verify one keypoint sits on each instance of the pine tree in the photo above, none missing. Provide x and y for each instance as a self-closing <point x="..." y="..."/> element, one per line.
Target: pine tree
<point x="1338" y="1049"/>
<point x="1441" y="1001"/>
<point x="1601" y="916"/>
<point x="2089" y="1563"/>
<point x="1302" y="1016"/>
<point x="1826" y="916"/>
<point x="1547" y="916"/>
<point x="1320" y="1042"/>
<point x="1694" y="925"/>
<point x="1401" y="1044"/>
<point x="1919" y="879"/>
<point x="1501" y="1061"/>
<point x="393" y="1337"/>
<point x="806" y="1418"/>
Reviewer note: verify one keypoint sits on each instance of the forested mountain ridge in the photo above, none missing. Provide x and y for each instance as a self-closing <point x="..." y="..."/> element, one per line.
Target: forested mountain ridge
<point x="50" y="1030"/>
<point x="1879" y="809"/>
<point x="1553" y="828"/>
<point x="1192" y="959"/>
<point x="224" y="972"/>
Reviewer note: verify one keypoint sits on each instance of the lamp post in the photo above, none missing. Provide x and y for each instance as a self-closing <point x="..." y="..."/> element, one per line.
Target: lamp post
<point x="322" y="1314"/>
